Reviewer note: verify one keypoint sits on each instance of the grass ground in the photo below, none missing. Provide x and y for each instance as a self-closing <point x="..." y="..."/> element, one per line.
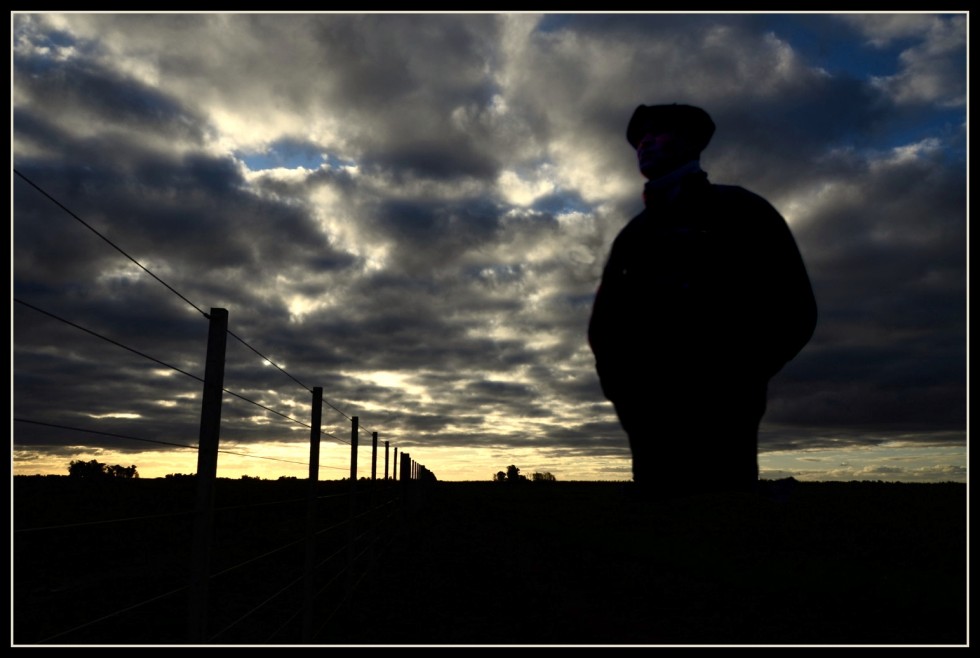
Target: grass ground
<point x="574" y="564"/>
<point x="482" y="563"/>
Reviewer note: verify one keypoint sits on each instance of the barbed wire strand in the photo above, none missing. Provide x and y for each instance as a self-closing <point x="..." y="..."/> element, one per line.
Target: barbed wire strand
<point x="275" y="595"/>
<point x="151" y="517"/>
<point x="177" y="590"/>
<point x="110" y="242"/>
<point x="114" y="614"/>
<point x="326" y="560"/>
<point x="269" y="361"/>
<point x="172" y="367"/>
<point x="107" y="339"/>
<point x="256" y="558"/>
<point x="258" y="607"/>
<point x="167" y="443"/>
<point x="101" y="433"/>
<point x="65" y="526"/>
<point x="283" y="371"/>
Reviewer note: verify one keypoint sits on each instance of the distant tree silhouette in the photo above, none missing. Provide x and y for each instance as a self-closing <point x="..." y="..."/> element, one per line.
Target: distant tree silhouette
<point x="96" y="469"/>
<point x="543" y="477"/>
<point x="500" y="476"/>
<point x="514" y="474"/>
<point x="82" y="469"/>
<point x="117" y="471"/>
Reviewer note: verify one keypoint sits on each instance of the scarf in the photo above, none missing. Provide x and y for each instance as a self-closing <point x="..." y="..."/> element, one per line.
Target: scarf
<point x="663" y="190"/>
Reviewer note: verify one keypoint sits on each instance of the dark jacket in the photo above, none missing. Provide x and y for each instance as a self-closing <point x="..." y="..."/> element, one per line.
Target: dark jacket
<point x="708" y="286"/>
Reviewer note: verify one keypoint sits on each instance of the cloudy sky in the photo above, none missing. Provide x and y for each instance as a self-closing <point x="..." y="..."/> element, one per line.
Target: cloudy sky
<point x="413" y="211"/>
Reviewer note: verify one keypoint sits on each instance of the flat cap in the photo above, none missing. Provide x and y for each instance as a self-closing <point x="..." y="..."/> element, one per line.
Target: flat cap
<point x="686" y="119"/>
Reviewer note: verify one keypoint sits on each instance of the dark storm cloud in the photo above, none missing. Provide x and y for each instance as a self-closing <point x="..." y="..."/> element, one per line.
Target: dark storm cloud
<point x="492" y="393"/>
<point x="94" y="95"/>
<point x="421" y="230"/>
<point x="435" y="159"/>
<point x="399" y="97"/>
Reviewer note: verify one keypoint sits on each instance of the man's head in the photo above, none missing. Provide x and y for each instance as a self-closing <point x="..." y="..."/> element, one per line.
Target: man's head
<point x="668" y="136"/>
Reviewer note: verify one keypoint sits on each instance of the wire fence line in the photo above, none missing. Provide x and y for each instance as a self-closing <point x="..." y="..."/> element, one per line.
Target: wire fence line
<point x="172" y="289"/>
<point x="143" y="354"/>
<point x="103" y="592"/>
<point x="198" y="572"/>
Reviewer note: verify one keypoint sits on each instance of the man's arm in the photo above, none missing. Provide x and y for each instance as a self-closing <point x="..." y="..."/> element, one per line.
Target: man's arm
<point x="790" y="306"/>
<point x="606" y="313"/>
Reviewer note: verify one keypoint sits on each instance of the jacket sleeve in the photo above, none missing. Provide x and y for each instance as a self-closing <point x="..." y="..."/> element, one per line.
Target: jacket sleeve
<point x="788" y="307"/>
<point x="606" y="313"/>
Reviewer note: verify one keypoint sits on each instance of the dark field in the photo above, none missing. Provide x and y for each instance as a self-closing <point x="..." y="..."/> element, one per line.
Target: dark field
<point x="573" y="564"/>
<point x="569" y="563"/>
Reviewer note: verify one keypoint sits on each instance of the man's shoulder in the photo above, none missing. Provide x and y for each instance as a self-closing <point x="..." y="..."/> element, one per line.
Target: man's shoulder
<point x="634" y="225"/>
<point x="731" y="192"/>
<point x="729" y="198"/>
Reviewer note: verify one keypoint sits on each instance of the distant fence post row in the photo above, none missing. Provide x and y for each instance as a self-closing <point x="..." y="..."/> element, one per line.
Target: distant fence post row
<point x="260" y="567"/>
<point x="207" y="474"/>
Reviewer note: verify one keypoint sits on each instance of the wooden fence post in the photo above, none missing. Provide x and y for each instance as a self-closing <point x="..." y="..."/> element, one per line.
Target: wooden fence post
<point x="371" y="519"/>
<point x="406" y="467"/>
<point x="207" y="469"/>
<point x="386" y="461"/>
<point x="352" y="510"/>
<point x="353" y="450"/>
<point x="311" y="508"/>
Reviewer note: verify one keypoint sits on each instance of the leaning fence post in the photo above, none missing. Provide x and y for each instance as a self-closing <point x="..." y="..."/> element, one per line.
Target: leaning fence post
<point x="207" y="469"/>
<point x="374" y="456"/>
<point x="310" y="565"/>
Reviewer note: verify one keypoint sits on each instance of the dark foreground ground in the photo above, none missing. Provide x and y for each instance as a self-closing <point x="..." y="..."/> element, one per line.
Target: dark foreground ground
<point x="572" y="564"/>
<point x="537" y="563"/>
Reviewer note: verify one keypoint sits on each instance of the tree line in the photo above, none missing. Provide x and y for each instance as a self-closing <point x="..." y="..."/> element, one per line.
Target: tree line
<point x="513" y="475"/>
<point x="96" y="469"/>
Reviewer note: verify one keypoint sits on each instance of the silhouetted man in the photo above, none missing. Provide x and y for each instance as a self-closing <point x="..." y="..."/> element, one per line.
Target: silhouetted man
<point x="703" y="299"/>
